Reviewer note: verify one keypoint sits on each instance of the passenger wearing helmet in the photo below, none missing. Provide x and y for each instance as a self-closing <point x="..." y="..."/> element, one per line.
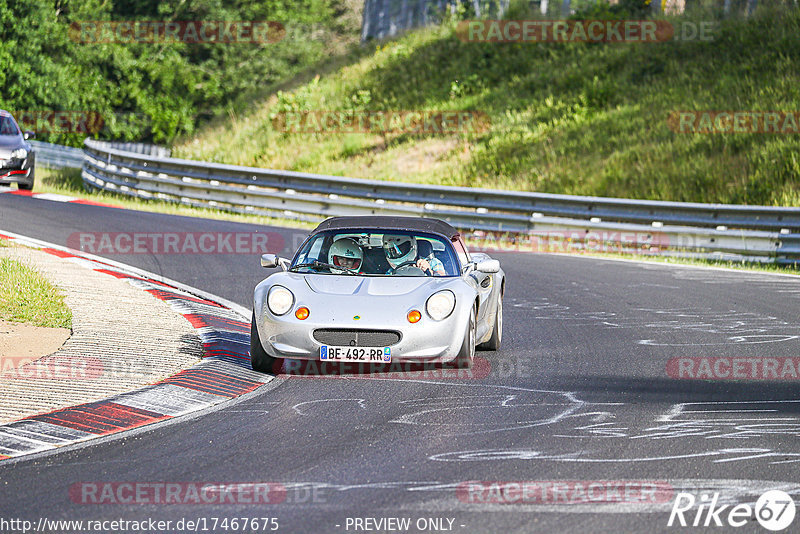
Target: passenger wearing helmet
<point x="402" y="250"/>
<point x="345" y="253"/>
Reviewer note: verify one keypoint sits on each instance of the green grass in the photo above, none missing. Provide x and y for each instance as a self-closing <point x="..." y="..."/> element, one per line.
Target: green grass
<point x="573" y="118"/>
<point x="27" y="297"/>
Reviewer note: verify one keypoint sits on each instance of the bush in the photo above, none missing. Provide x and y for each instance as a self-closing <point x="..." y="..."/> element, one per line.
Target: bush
<point x="144" y="91"/>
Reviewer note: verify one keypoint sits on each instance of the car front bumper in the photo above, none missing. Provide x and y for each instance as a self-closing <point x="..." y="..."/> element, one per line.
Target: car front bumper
<point x="426" y="341"/>
<point x="16" y="171"/>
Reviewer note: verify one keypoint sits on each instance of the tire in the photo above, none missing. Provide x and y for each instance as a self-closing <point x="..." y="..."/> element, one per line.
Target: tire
<point x="31" y="176"/>
<point x="26" y="187"/>
<point x="467" y="353"/>
<point x="259" y="359"/>
<point x="493" y="342"/>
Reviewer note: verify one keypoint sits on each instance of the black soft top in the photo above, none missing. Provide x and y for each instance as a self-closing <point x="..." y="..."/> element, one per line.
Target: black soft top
<point x="384" y="222"/>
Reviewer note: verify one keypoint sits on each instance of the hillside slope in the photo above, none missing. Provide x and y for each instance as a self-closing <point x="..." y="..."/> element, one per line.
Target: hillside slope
<point x="571" y="118"/>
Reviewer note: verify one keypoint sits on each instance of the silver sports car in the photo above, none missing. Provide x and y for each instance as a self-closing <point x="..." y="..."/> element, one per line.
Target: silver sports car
<point x="378" y="289"/>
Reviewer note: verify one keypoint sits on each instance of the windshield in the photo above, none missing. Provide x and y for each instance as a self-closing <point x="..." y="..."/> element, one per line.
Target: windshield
<point x="7" y="125"/>
<point x="376" y="253"/>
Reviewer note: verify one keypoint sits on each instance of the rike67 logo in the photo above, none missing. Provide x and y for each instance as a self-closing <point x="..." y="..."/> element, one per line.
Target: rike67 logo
<point x="774" y="510"/>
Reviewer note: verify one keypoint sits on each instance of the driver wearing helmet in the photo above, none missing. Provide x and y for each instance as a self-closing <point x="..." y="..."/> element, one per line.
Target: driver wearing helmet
<point x="345" y="253"/>
<point x="401" y="250"/>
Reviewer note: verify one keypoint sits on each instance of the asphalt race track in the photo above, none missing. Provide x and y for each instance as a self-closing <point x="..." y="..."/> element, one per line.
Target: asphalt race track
<point x="579" y="392"/>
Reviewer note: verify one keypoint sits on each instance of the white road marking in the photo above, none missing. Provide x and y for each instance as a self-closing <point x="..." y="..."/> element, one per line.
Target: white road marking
<point x="54" y="197"/>
<point x="296" y="407"/>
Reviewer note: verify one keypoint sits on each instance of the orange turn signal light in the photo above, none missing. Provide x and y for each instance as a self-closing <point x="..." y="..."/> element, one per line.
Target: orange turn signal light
<point x="302" y="313"/>
<point x="414" y="316"/>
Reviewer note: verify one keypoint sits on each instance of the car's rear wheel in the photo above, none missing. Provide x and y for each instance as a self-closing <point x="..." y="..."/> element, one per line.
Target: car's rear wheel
<point x="493" y="343"/>
<point x="467" y="353"/>
<point x="259" y="359"/>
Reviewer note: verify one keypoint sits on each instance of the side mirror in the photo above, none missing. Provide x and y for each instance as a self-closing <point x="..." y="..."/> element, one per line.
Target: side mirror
<point x="488" y="266"/>
<point x="270" y="261"/>
<point x="28" y="135"/>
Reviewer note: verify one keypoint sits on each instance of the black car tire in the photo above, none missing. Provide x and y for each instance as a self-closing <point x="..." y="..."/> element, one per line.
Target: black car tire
<point x="28" y="187"/>
<point x="493" y="343"/>
<point x="466" y="356"/>
<point x="259" y="359"/>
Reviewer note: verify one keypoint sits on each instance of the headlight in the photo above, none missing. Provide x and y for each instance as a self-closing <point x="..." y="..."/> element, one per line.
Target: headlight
<point x="440" y="304"/>
<point x="279" y="300"/>
<point x="19" y="153"/>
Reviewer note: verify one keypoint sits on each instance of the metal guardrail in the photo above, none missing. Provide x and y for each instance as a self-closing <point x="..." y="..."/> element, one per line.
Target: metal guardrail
<point x="140" y="148"/>
<point x="57" y="156"/>
<point x="759" y="233"/>
<point x="67" y="157"/>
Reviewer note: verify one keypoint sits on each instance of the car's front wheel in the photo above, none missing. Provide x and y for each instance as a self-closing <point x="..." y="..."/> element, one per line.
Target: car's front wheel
<point x="467" y="353"/>
<point x="31" y="176"/>
<point x="259" y="359"/>
<point x="493" y="343"/>
<point x="26" y="187"/>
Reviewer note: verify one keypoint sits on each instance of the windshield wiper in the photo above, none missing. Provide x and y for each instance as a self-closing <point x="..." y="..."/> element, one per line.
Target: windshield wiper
<point x="317" y="265"/>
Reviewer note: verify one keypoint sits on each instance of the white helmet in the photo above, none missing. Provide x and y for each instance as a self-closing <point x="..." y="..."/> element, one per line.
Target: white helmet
<point x="345" y="253"/>
<point x="399" y="249"/>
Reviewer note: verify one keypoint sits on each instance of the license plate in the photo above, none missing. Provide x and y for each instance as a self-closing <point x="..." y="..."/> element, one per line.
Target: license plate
<point x="328" y="353"/>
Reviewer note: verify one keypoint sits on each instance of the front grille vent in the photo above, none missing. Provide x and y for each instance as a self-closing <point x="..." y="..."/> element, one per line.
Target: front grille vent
<point x="356" y="338"/>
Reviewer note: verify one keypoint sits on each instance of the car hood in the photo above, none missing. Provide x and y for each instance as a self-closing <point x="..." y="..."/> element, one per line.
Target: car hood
<point x="357" y="285"/>
<point x="9" y="143"/>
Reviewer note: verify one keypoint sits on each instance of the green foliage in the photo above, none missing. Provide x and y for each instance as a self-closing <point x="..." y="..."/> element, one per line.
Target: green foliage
<point x="624" y="9"/>
<point x="151" y="91"/>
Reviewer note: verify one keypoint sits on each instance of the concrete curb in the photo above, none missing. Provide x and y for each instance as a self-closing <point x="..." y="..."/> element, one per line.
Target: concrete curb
<point x="223" y="374"/>
<point x="104" y="355"/>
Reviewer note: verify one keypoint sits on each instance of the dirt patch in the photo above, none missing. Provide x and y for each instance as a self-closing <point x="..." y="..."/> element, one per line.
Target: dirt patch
<point x="424" y="156"/>
<point x="23" y="343"/>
